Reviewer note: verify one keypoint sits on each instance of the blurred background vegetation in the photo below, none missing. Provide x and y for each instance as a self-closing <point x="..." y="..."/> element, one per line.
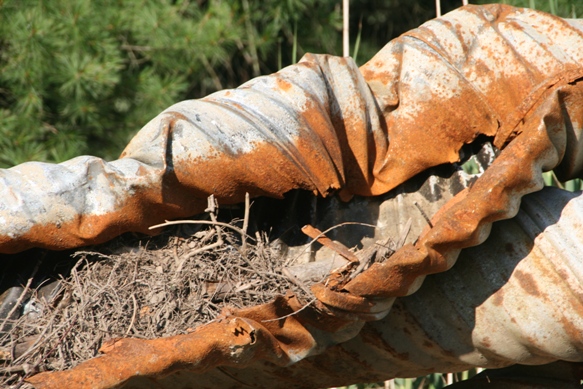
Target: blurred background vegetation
<point x="82" y="76"/>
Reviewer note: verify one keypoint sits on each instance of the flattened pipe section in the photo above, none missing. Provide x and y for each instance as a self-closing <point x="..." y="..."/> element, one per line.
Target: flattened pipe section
<point x="306" y="120"/>
<point x="229" y="342"/>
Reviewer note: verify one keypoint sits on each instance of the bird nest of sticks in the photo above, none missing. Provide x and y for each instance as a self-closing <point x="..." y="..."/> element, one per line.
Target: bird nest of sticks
<point x="155" y="287"/>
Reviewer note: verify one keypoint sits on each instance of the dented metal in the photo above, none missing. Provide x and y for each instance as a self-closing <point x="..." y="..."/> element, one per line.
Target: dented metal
<point x="511" y="75"/>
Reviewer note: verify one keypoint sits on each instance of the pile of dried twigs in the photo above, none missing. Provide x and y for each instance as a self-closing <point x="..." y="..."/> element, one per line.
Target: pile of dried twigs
<point x="160" y="286"/>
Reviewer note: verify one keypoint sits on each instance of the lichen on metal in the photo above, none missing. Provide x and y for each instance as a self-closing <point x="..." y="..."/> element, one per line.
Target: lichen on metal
<point x="513" y="76"/>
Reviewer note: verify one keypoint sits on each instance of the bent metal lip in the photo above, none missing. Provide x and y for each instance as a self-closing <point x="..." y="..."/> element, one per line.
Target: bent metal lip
<point x="511" y="75"/>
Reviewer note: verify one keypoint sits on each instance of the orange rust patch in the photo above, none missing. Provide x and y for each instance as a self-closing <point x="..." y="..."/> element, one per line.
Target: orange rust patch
<point x="94" y="229"/>
<point x="527" y="282"/>
<point x="283" y="84"/>
<point x="498" y="298"/>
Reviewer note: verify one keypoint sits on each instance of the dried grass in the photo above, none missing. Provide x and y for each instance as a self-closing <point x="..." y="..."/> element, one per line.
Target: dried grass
<point x="144" y="292"/>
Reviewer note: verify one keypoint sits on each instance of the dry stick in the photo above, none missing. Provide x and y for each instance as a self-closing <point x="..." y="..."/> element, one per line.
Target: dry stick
<point x="427" y="219"/>
<point x="292" y="260"/>
<point x="199" y="250"/>
<point x="404" y="234"/>
<point x="338" y="247"/>
<point x="12" y="369"/>
<point x="93" y="253"/>
<point x="75" y="277"/>
<point x="112" y="273"/>
<point x="245" y="225"/>
<point x="212" y="210"/>
<point x="293" y="313"/>
<point x="135" y="275"/>
<point x="133" y="315"/>
<point x="210" y="223"/>
<point x="246" y="286"/>
<point x="174" y="252"/>
<point x="22" y="295"/>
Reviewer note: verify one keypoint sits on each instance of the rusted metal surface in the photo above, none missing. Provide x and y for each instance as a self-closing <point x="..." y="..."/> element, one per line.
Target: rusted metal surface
<point x="323" y="125"/>
<point x="512" y="75"/>
<point x="517" y="298"/>
<point x="533" y="98"/>
<point x="314" y="122"/>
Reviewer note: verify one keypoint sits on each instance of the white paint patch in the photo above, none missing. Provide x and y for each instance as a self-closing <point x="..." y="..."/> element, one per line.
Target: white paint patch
<point x="467" y="24"/>
<point x="41" y="193"/>
<point x="425" y="77"/>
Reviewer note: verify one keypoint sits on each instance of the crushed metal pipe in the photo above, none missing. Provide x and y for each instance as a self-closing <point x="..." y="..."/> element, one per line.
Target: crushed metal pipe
<point x="509" y="75"/>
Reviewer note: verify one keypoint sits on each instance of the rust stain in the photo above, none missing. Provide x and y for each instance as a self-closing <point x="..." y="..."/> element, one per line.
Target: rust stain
<point x="527" y="282"/>
<point x="283" y="85"/>
<point x="498" y="298"/>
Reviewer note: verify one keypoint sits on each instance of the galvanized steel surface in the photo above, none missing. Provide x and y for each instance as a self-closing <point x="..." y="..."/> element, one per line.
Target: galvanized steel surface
<point x="513" y="75"/>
